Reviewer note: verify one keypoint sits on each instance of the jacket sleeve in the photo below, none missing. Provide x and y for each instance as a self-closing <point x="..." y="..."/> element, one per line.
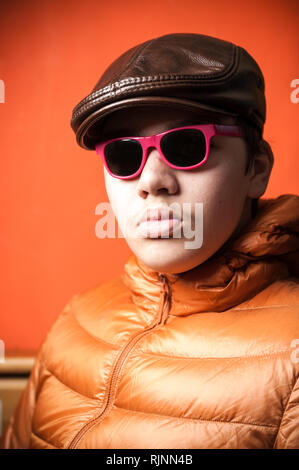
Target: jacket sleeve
<point x="288" y="433"/>
<point x="18" y="432"/>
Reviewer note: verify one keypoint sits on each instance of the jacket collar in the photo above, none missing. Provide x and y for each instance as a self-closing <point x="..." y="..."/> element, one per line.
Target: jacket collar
<point x="266" y="250"/>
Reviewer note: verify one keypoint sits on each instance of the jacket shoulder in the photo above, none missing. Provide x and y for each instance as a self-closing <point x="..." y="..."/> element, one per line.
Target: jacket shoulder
<point x="100" y="295"/>
<point x="281" y="293"/>
<point x="88" y="310"/>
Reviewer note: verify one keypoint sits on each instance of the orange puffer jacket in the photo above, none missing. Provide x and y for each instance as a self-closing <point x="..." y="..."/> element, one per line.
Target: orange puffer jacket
<point x="205" y="359"/>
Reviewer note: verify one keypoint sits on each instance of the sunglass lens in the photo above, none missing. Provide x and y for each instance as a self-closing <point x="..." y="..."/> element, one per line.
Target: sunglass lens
<point x="123" y="157"/>
<point x="184" y="148"/>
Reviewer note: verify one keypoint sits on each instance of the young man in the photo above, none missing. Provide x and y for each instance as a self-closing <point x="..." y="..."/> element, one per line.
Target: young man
<point x="192" y="346"/>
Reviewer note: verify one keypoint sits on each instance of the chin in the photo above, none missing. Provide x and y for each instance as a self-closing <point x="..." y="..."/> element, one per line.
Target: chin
<point x="170" y="261"/>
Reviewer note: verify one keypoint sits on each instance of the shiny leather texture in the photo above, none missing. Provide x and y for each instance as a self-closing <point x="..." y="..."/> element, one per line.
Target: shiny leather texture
<point x="202" y="359"/>
<point x="186" y="70"/>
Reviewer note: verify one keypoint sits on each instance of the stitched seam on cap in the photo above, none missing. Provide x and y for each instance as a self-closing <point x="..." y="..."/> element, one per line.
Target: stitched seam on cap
<point x="115" y="88"/>
<point x="129" y="92"/>
<point x="148" y="78"/>
<point x="234" y="61"/>
<point x="138" y="81"/>
<point x="136" y="55"/>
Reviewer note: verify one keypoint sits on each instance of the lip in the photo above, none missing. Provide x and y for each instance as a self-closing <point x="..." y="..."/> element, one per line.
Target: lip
<point x="158" y="228"/>
<point x="157" y="221"/>
<point x="155" y="213"/>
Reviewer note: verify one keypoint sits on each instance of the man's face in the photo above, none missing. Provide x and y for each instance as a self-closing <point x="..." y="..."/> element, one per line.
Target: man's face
<point x="220" y="185"/>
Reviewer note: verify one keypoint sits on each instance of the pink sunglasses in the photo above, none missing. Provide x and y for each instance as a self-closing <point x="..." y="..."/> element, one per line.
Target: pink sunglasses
<point x="182" y="148"/>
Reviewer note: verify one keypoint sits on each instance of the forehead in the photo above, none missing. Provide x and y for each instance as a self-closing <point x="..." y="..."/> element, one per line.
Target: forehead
<point x="154" y="119"/>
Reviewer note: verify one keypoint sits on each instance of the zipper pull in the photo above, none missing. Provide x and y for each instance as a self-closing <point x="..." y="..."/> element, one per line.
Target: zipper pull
<point x="165" y="282"/>
<point x="166" y="292"/>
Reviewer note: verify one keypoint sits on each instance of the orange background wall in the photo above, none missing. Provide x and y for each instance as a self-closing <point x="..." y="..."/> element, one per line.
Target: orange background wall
<point x="52" y="54"/>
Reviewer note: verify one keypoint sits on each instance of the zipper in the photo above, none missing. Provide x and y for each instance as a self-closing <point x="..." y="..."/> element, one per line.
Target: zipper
<point x="165" y="304"/>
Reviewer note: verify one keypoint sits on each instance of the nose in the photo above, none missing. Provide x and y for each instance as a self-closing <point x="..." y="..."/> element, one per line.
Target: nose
<point x="156" y="177"/>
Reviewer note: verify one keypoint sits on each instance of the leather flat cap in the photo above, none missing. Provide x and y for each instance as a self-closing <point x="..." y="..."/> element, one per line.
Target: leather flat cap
<point x="186" y="70"/>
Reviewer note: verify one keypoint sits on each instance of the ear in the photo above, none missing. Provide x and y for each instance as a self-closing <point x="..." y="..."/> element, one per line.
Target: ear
<point x="260" y="171"/>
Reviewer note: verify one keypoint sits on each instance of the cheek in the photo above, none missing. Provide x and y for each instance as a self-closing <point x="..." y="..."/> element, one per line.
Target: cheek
<point x="224" y="199"/>
<point x="118" y="193"/>
<point x="222" y="188"/>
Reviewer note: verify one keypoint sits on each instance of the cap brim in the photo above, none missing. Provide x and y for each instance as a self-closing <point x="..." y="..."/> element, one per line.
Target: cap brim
<point x="88" y="132"/>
